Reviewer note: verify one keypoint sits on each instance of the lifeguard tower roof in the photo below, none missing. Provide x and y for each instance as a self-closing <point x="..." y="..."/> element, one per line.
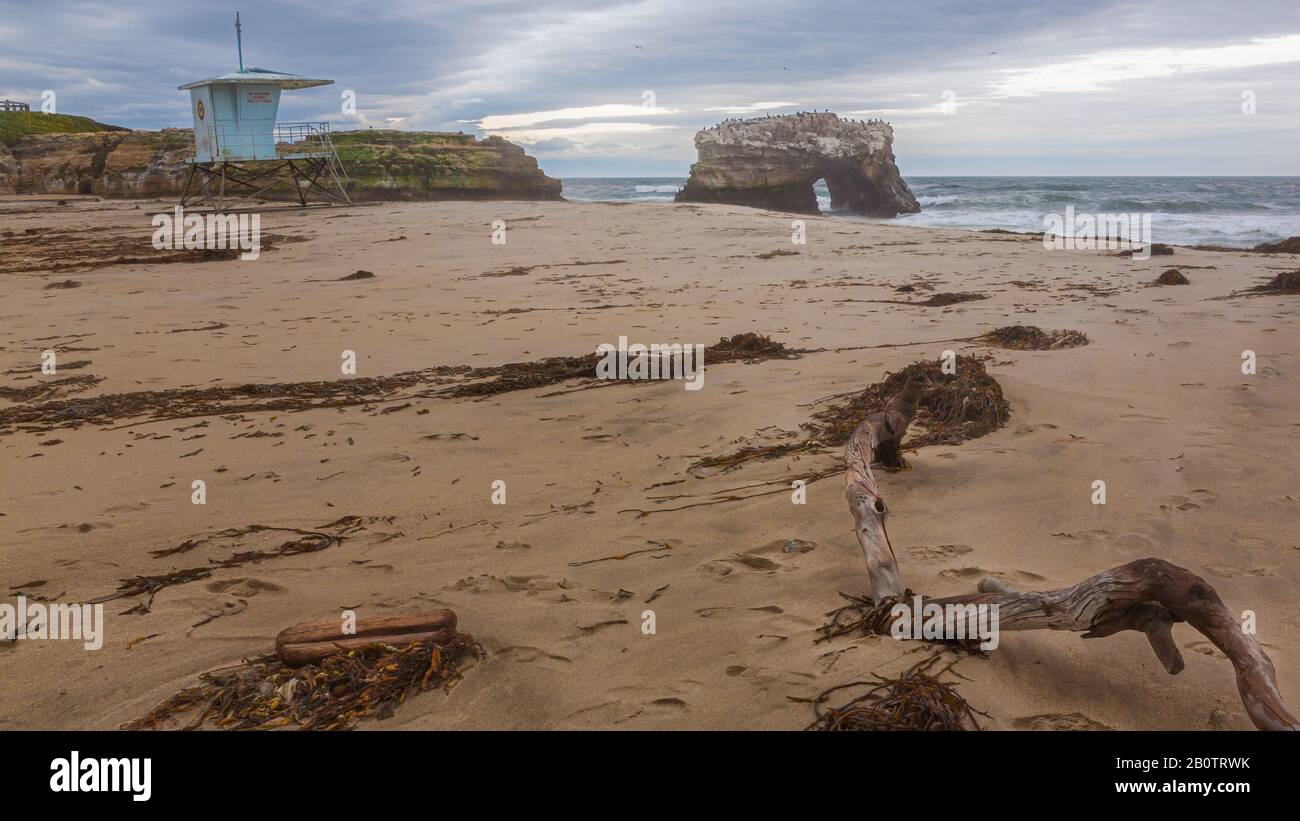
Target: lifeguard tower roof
<point x="259" y="75"/>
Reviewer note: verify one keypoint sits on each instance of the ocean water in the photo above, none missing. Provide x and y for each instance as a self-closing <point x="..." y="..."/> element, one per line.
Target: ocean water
<point x="1232" y="211"/>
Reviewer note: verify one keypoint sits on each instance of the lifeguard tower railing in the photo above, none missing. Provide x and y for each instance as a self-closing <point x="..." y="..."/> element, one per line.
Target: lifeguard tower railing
<point x="232" y="162"/>
<point x="254" y="141"/>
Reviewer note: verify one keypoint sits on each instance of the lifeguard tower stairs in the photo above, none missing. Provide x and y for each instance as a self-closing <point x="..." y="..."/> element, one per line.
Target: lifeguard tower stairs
<point x="239" y="152"/>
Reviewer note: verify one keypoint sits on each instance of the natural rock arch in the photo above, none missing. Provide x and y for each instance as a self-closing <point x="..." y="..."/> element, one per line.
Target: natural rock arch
<point x="773" y="162"/>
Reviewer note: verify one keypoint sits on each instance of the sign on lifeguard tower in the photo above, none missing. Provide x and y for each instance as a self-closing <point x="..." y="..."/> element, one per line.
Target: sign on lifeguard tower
<point x="238" y="143"/>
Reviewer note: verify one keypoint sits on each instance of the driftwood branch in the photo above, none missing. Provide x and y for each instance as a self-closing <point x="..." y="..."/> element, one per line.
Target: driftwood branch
<point x="1147" y="595"/>
<point x="877" y="438"/>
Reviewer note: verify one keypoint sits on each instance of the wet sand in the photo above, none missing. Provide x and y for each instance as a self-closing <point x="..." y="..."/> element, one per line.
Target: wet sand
<point x="1199" y="459"/>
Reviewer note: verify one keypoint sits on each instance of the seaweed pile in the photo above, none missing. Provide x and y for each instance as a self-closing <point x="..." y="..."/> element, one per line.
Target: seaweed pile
<point x="916" y="700"/>
<point x="952" y="409"/>
<point x="1291" y="245"/>
<point x="517" y="376"/>
<point x="1172" y="276"/>
<point x="520" y="376"/>
<point x="863" y="617"/>
<point x="1031" y="338"/>
<point x="1157" y="249"/>
<point x="343" y="688"/>
<point x="1287" y="282"/>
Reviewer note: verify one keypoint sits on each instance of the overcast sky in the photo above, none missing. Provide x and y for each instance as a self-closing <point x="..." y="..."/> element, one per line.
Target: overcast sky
<point x="972" y="87"/>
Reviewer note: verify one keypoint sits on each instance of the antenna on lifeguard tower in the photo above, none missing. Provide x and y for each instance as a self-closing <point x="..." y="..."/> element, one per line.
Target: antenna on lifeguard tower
<point x="239" y="41"/>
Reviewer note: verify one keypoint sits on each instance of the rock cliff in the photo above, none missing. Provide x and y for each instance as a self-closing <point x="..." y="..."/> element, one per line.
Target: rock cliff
<point x="773" y="162"/>
<point x="382" y="165"/>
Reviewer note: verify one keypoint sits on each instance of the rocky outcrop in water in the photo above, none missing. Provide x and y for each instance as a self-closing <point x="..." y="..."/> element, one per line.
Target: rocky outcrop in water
<point x="773" y="162"/>
<point x="382" y="165"/>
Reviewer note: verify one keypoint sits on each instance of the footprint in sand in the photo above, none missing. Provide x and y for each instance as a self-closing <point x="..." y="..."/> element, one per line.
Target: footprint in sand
<point x="755" y="562"/>
<point x="619" y="711"/>
<point x="717" y="568"/>
<point x="1022" y="429"/>
<point x="243" y="588"/>
<point x="971" y="573"/>
<point x="488" y="583"/>
<point x="527" y="655"/>
<point x="938" y="553"/>
<point x="1058" y="721"/>
<point x="1142" y="417"/>
<point x="1227" y="571"/>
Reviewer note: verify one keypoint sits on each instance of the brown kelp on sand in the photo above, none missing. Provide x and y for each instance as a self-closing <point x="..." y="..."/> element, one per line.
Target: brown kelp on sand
<point x="1287" y="282"/>
<point x="1031" y="338"/>
<point x="86" y="248"/>
<point x="514" y="376"/>
<point x="861" y="616"/>
<point x="939" y="300"/>
<point x="916" y="700"/>
<point x="951" y="409"/>
<point x="334" y="694"/>
<point x="439" y="381"/>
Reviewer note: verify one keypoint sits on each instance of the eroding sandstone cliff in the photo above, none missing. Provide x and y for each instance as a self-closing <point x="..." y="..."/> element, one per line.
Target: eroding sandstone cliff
<point x="382" y="165"/>
<point x="425" y="165"/>
<point x="773" y="162"/>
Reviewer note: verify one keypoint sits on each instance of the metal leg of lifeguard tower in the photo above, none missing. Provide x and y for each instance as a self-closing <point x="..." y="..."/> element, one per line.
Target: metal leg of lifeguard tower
<point x="304" y="175"/>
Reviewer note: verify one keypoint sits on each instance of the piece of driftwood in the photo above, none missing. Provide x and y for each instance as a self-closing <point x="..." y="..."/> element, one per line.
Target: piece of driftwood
<point x="877" y="438"/>
<point x="315" y="640"/>
<point x="1147" y="595"/>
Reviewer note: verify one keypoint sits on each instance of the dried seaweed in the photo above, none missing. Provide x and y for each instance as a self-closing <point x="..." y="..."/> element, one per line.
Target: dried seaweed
<point x="1157" y="249"/>
<point x="59" y="249"/>
<point x="1172" y="276"/>
<point x="50" y="388"/>
<point x="186" y="403"/>
<point x="333" y="694"/>
<point x="938" y="300"/>
<point x="1031" y="338"/>
<point x="515" y="376"/>
<point x="309" y="541"/>
<point x="863" y="617"/>
<point x="916" y="700"/>
<point x="952" y="408"/>
<point x="1287" y="282"/>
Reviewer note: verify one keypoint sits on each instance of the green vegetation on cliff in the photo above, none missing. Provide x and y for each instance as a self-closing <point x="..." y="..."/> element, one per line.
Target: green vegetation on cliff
<point x="15" y="125"/>
<point x="423" y="164"/>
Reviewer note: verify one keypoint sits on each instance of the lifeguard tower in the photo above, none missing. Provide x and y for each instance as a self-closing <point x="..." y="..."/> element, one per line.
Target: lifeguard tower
<point x="239" y="151"/>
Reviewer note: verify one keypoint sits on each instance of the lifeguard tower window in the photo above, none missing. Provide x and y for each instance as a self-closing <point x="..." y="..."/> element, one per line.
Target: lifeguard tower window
<point x="239" y="151"/>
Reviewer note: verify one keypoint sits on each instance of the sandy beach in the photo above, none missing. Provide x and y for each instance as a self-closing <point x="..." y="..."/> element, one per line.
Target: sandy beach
<point x="1198" y="458"/>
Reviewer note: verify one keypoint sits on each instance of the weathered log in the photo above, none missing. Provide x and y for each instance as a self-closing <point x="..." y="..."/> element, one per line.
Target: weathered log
<point x="878" y="434"/>
<point x="1147" y="595"/>
<point x="314" y="640"/>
